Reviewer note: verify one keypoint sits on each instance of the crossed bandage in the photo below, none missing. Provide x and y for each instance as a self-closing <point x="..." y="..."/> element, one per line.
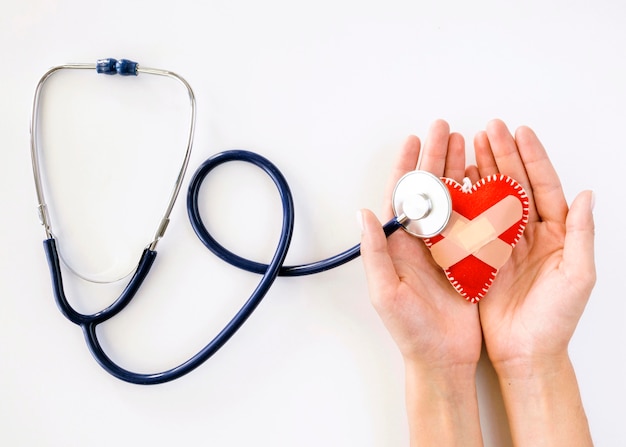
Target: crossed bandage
<point x="478" y="237"/>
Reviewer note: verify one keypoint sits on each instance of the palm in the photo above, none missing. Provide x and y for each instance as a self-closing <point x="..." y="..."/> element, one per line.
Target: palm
<point x="530" y="306"/>
<point x="516" y="316"/>
<point x="439" y="321"/>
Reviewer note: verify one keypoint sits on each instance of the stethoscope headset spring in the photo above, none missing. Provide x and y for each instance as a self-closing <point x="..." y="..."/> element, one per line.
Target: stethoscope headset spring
<point x="420" y="200"/>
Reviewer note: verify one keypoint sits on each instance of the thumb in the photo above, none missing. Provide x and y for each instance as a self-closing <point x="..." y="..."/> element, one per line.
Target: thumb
<point x="380" y="271"/>
<point x="578" y="249"/>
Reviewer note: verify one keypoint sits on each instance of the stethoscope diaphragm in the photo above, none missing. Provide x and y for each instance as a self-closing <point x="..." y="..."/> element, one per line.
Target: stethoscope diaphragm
<point x="422" y="204"/>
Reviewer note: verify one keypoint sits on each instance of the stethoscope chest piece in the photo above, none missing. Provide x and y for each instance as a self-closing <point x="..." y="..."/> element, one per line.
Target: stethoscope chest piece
<point x="422" y="204"/>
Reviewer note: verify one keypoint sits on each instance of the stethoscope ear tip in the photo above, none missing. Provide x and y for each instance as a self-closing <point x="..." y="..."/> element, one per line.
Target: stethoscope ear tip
<point x="421" y="203"/>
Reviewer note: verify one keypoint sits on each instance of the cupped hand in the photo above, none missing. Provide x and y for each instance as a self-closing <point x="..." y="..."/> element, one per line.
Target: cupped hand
<point x="430" y="322"/>
<point x="535" y="302"/>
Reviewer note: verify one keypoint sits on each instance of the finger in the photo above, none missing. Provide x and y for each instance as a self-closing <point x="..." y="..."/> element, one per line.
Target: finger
<point x="484" y="156"/>
<point x="509" y="161"/>
<point x="578" y="250"/>
<point x="433" y="157"/>
<point x="472" y="173"/>
<point x="547" y="192"/>
<point x="407" y="159"/>
<point x="505" y="151"/>
<point x="406" y="162"/>
<point x="380" y="271"/>
<point x="455" y="158"/>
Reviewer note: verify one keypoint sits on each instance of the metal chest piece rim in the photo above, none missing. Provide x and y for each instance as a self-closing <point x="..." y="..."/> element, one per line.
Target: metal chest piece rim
<point x="422" y="204"/>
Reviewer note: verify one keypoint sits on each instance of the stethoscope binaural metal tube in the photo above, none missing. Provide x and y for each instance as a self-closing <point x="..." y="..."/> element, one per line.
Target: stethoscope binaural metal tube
<point x="110" y="66"/>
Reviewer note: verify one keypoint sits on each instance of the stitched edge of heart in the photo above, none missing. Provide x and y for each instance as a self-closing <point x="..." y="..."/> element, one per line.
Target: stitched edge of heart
<point x="522" y="226"/>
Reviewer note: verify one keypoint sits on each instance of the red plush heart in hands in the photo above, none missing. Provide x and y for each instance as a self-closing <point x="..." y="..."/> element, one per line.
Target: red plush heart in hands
<point x="487" y="220"/>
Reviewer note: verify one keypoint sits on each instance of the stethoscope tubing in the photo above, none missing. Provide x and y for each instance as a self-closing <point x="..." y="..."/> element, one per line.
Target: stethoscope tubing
<point x="143" y="268"/>
<point x="273" y="172"/>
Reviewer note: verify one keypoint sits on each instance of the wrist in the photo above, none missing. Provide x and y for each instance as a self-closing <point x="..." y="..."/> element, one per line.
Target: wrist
<point x="453" y="373"/>
<point x="450" y="387"/>
<point x="543" y="401"/>
<point x="533" y="367"/>
<point x="442" y="404"/>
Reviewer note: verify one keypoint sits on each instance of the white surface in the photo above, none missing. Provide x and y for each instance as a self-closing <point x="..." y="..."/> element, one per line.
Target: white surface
<point x="327" y="90"/>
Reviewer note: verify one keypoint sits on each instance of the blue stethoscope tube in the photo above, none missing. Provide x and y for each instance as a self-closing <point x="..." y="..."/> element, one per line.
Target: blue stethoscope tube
<point x="287" y="203"/>
<point x="269" y="272"/>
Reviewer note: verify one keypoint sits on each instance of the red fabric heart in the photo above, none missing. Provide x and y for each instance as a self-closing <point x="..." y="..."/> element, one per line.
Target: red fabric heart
<point x="487" y="221"/>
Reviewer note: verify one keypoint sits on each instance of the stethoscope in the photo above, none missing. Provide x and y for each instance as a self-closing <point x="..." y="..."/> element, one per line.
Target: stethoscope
<point x="421" y="204"/>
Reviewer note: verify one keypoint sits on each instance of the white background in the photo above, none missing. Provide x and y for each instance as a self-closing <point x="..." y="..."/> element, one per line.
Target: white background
<point x="328" y="90"/>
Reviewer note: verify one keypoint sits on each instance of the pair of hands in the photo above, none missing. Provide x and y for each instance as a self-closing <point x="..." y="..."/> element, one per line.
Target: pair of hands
<point x="535" y="302"/>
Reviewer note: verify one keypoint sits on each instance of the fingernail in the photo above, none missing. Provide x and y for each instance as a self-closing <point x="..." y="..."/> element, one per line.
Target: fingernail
<point x="359" y="220"/>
